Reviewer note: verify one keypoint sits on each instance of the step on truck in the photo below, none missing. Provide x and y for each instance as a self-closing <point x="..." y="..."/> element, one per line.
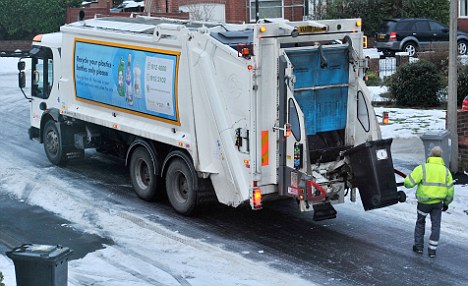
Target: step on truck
<point x="242" y="114"/>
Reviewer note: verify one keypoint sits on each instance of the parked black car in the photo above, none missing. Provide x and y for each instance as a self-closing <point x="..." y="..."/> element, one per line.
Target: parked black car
<point x="416" y="34"/>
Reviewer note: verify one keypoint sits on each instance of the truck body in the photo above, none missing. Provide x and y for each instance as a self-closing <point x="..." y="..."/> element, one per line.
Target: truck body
<point x="201" y="111"/>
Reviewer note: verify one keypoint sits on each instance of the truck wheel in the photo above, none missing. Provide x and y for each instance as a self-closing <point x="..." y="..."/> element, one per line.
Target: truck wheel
<point x="144" y="180"/>
<point x="53" y="144"/>
<point x="181" y="186"/>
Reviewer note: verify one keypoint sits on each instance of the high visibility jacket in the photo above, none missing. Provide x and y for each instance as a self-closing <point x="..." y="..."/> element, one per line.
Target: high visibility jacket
<point x="434" y="182"/>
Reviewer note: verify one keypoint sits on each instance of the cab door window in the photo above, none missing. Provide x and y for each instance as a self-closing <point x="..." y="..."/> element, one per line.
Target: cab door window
<point x="42" y="72"/>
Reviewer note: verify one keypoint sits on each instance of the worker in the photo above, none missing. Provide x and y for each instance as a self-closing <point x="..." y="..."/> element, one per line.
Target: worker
<point x="434" y="194"/>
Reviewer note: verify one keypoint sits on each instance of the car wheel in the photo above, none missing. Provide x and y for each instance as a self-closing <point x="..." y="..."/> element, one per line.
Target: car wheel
<point x="462" y="47"/>
<point x="410" y="49"/>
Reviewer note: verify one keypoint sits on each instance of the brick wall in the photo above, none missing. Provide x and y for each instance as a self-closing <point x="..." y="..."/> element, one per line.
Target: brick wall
<point x="293" y="10"/>
<point x="462" y="130"/>
<point x="11" y="46"/>
<point x="73" y="13"/>
<point x="463" y="24"/>
<point x="236" y="10"/>
<point x="107" y="4"/>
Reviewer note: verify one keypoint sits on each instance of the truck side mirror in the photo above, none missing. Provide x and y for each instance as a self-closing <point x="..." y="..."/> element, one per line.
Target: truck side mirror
<point x="21" y="65"/>
<point x="22" y="79"/>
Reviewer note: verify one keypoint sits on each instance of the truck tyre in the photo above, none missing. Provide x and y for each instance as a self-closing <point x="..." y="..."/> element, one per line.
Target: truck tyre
<point x="53" y="144"/>
<point x="144" y="179"/>
<point x="182" y="186"/>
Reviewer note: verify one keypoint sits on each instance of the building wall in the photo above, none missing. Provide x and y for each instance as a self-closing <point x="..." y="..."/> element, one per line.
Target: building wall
<point x="236" y="10"/>
<point x="101" y="4"/>
<point x="463" y="24"/>
<point x="462" y="130"/>
<point x="11" y="46"/>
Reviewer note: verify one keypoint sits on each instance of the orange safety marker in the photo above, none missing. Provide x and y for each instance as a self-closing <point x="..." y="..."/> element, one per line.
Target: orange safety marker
<point x="265" y="155"/>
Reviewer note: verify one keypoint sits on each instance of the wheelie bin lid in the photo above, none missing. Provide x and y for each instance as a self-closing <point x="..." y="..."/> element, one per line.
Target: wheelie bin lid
<point x="435" y="134"/>
<point x="39" y="252"/>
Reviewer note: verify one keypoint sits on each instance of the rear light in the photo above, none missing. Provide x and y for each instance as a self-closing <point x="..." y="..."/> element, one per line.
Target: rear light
<point x="245" y="50"/>
<point x="465" y="104"/>
<point x="257" y="199"/>
<point x="385" y="119"/>
<point x="392" y="36"/>
<point x="287" y="130"/>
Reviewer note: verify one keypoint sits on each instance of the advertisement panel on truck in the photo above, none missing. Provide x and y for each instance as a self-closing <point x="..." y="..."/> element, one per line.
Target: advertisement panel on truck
<point x="134" y="79"/>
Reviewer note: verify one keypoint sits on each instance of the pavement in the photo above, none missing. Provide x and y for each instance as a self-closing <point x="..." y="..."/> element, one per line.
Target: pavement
<point x="21" y="223"/>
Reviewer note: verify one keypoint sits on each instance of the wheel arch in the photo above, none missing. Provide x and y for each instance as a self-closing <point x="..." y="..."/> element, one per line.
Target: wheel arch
<point x="139" y="142"/>
<point x="178" y="154"/>
<point x="50" y="114"/>
<point x="409" y="40"/>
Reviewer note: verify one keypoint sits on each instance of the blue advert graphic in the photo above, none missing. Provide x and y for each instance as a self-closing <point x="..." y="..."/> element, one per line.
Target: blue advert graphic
<point x="136" y="80"/>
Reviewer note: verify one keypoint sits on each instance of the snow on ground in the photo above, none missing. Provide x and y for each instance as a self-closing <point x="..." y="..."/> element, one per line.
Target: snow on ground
<point x="181" y="258"/>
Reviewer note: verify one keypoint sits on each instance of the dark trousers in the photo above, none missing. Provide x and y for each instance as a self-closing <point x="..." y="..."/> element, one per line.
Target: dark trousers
<point x="435" y="211"/>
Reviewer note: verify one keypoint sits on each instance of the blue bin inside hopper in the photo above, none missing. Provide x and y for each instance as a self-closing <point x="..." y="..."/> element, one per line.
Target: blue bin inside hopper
<point x="324" y="109"/>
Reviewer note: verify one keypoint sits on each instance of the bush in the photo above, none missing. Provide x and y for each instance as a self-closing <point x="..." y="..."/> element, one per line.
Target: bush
<point x="373" y="79"/>
<point x="1" y="279"/>
<point x="415" y="84"/>
<point x="22" y="20"/>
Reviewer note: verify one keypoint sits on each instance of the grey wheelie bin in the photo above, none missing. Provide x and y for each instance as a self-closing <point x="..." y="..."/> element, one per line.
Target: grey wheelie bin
<point x="36" y="264"/>
<point x="439" y="138"/>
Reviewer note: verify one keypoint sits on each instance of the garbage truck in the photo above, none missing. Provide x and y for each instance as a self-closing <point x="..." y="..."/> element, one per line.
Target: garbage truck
<point x="241" y="114"/>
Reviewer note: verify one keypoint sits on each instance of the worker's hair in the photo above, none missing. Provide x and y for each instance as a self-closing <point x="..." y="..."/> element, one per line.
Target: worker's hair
<point x="436" y="152"/>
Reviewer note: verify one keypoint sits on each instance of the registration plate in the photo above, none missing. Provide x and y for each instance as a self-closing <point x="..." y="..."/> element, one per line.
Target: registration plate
<point x="310" y="29"/>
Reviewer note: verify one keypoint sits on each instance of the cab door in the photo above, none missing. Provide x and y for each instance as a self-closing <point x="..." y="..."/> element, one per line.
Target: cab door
<point x="42" y="82"/>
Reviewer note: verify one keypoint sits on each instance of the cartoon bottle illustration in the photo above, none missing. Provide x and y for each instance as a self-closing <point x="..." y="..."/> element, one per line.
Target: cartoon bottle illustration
<point x="137" y="81"/>
<point x="120" y="87"/>
<point x="128" y="81"/>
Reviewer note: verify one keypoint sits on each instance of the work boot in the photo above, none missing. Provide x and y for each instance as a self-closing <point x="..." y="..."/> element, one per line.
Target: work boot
<point x="431" y="253"/>
<point x="417" y="249"/>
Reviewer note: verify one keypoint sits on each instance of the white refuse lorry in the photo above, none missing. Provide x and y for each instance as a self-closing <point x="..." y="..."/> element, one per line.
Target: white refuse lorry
<point x="242" y="114"/>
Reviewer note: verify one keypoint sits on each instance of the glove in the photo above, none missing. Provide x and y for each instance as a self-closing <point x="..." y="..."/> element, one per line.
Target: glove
<point x="444" y="208"/>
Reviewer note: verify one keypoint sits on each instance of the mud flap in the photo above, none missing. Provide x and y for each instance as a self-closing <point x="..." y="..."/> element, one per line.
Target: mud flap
<point x="324" y="211"/>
